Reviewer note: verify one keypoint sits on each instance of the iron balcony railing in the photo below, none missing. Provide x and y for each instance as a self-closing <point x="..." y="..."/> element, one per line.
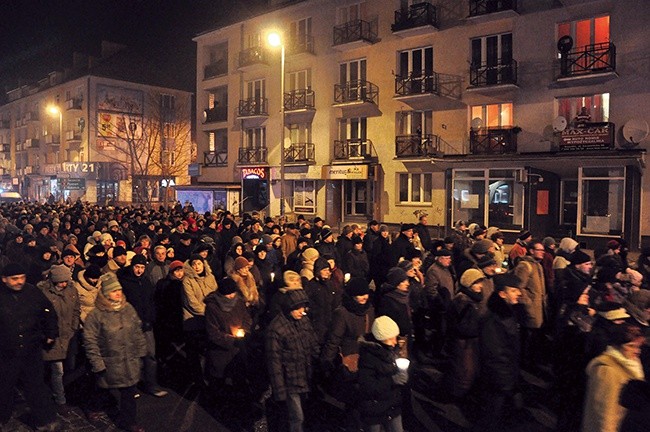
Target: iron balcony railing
<point x="488" y="141"/>
<point x="356" y="91"/>
<point x="300" y="152"/>
<point x="253" y="107"/>
<point x="417" y="82"/>
<point x="415" y="145"/>
<point x="484" y="74"/>
<point x="216" y="114"/>
<point x="589" y="59"/>
<point x="417" y="15"/>
<point x="354" y="148"/>
<point x="355" y="30"/>
<point x="299" y="100"/>
<point x="484" y="7"/>
<point x="215" y="158"/>
<point x="251" y="56"/>
<point x="252" y="155"/>
<point x="301" y="44"/>
<point x="217" y="68"/>
<point x="52" y="139"/>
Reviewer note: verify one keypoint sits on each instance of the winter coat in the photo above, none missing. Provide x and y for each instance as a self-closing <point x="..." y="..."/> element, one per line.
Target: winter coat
<point x="114" y="343"/>
<point x="27" y="319"/>
<point x="350" y="321"/>
<point x="87" y="294"/>
<point x="168" y="300"/>
<point x="379" y="259"/>
<point x="291" y="345"/>
<point x="322" y="302"/>
<point x="356" y="263"/>
<point x="439" y="286"/>
<point x="395" y="304"/>
<point x="400" y="248"/>
<point x="517" y="252"/>
<point x="195" y="289"/>
<point x="500" y="346"/>
<point x="68" y="309"/>
<point x="247" y="287"/>
<point x="140" y="293"/>
<point x="156" y="271"/>
<point x="607" y="375"/>
<point x="288" y="244"/>
<point x="533" y="290"/>
<point x="223" y="316"/>
<point x="635" y="397"/>
<point x="380" y="397"/>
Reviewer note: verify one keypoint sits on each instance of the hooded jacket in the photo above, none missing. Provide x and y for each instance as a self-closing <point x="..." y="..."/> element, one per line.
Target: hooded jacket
<point x="114" y="343"/>
<point x="68" y="309"/>
<point x="87" y="293"/>
<point x="195" y="289"/>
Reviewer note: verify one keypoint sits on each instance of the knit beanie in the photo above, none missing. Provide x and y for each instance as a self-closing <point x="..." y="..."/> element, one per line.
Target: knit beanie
<point x="295" y="300"/>
<point x="486" y="261"/>
<point x="320" y="264"/>
<point x="109" y="283"/>
<point x="93" y="272"/>
<point x="240" y="263"/>
<point x="396" y="276"/>
<point x="501" y="281"/>
<point x="405" y="265"/>
<point x="383" y="228"/>
<point x="227" y="286"/>
<point x="118" y="251"/>
<point x="579" y="257"/>
<point x="568" y="245"/>
<point x="290" y="275"/>
<point x="310" y="254"/>
<point x="482" y="246"/>
<point x="470" y="277"/>
<point x="60" y="273"/>
<point x="175" y="265"/>
<point x="139" y="259"/>
<point x="384" y="328"/>
<point x="548" y="242"/>
<point x="357" y="287"/>
<point x="13" y="269"/>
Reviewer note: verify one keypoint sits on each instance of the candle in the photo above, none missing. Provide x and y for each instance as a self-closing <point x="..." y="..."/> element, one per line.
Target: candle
<point x="272" y="277"/>
<point x="347" y="277"/>
<point x="240" y="333"/>
<point x="403" y="363"/>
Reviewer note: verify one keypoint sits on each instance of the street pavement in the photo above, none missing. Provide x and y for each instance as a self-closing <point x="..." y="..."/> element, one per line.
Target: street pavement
<point x="186" y="409"/>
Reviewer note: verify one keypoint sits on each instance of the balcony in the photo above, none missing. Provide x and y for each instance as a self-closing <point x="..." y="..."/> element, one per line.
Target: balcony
<point x="73" y="135"/>
<point x="480" y="10"/>
<point x="300" y="153"/>
<point x="417" y="146"/>
<point x="5" y="149"/>
<point x="32" y="143"/>
<point x="297" y="100"/>
<point x="354" y="34"/>
<point x="590" y="61"/>
<point x="418" y="19"/>
<point x="218" y="68"/>
<point x="215" y="114"/>
<point x="490" y="141"/>
<point x="300" y="44"/>
<point x="356" y="92"/>
<point x="252" y="57"/>
<point x="354" y="149"/>
<point x="503" y="73"/>
<point x="215" y="158"/>
<point x="252" y="156"/>
<point x="52" y="139"/>
<point x="30" y="116"/>
<point x="253" y="107"/>
<point x="430" y="90"/>
<point x="73" y="104"/>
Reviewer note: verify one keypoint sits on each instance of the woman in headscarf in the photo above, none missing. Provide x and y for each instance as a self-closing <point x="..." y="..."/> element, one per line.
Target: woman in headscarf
<point x="236" y="250"/>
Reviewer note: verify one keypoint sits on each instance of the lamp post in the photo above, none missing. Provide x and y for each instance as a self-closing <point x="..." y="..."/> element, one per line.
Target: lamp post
<point x="55" y="110"/>
<point x="275" y="39"/>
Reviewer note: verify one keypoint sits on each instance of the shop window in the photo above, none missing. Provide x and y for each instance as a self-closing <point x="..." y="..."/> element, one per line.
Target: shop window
<point x="415" y="188"/>
<point x="358" y="197"/>
<point x="602" y="197"/>
<point x="597" y="108"/>
<point x="304" y="196"/>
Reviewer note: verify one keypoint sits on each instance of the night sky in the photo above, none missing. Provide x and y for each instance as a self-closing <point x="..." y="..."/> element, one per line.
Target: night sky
<point x="38" y="36"/>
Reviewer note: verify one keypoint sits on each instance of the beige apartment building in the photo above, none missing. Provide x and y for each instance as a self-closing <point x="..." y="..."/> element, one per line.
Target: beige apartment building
<point x="511" y="113"/>
<point x="104" y="130"/>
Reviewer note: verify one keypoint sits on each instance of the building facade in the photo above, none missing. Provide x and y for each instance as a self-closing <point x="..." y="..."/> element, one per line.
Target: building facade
<point x="81" y="133"/>
<point x="518" y="114"/>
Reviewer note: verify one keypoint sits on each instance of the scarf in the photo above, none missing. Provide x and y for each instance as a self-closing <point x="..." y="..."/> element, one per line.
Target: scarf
<point x="476" y="297"/>
<point x="633" y="366"/>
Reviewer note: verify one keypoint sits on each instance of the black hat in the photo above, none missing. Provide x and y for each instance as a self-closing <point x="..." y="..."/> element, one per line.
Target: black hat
<point x="13" y="269"/>
<point x="320" y="264"/>
<point x="139" y="259"/>
<point x="295" y="300"/>
<point x="325" y="232"/>
<point x="118" y="251"/>
<point x="357" y="287"/>
<point x="524" y="235"/>
<point x="93" y="272"/>
<point x="373" y="223"/>
<point x="68" y="252"/>
<point x="260" y="248"/>
<point x="318" y="219"/>
<point x="291" y="226"/>
<point x="302" y="240"/>
<point x="486" y="261"/>
<point x="226" y="286"/>
<point x="579" y="257"/>
<point x="185" y="236"/>
<point x="405" y="265"/>
<point x="396" y="276"/>
<point x="305" y="232"/>
<point x="357" y="240"/>
<point x="254" y="236"/>
<point x="97" y="249"/>
<point x="202" y="247"/>
<point x="448" y="240"/>
<point x="268" y="219"/>
<point x="443" y="252"/>
<point x="406" y="227"/>
<point x="501" y="281"/>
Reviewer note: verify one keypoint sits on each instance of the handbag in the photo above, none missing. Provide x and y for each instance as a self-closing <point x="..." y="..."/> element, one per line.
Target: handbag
<point x="351" y="361"/>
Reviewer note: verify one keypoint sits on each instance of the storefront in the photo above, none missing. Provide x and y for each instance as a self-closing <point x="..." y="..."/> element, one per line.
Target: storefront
<point x="351" y="192"/>
<point x="255" y="189"/>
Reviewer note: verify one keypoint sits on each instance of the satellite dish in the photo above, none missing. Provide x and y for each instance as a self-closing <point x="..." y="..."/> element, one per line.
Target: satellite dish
<point x="206" y="114"/>
<point x="477" y="123"/>
<point x="565" y="44"/>
<point x="635" y="131"/>
<point x="559" y="124"/>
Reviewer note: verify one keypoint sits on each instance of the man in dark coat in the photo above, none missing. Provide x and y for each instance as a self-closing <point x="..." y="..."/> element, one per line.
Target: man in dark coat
<point x="402" y="245"/>
<point x="140" y="294"/>
<point x="422" y="229"/>
<point x="372" y="234"/>
<point x="356" y="261"/>
<point x="168" y="299"/>
<point x="291" y="346"/>
<point x="321" y="298"/>
<point x="326" y="245"/>
<point x="28" y="323"/>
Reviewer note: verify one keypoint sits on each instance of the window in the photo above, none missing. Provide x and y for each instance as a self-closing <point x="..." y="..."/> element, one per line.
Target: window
<point x="218" y="147"/>
<point x="352" y="71"/>
<point x="299" y="133"/>
<point x="585" y="32"/>
<point x="415" y="188"/>
<point x="597" y="107"/>
<point x="493" y="116"/>
<point x="254" y="40"/>
<point x="414" y="122"/>
<point x="304" y="196"/>
<point x="300" y="35"/>
<point x="488" y="197"/>
<point x="355" y="11"/>
<point x="416" y="62"/>
<point x="358" y="197"/>
<point x="256" y="89"/>
<point x="298" y="80"/>
<point x="602" y="198"/>
<point x="169" y="130"/>
<point x="490" y="50"/>
<point x="255" y="138"/>
<point x="167" y="101"/>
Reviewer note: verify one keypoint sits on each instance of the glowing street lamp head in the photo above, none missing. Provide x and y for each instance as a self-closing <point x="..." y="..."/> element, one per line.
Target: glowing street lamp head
<point x="54" y="110"/>
<point x="274" y="39"/>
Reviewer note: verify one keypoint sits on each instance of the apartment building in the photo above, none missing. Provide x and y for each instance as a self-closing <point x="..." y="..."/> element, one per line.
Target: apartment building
<point x="511" y="113"/>
<point x="107" y="129"/>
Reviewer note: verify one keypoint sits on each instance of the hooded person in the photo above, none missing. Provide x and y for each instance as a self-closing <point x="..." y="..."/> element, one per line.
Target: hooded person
<point x="291" y="345"/>
<point x="395" y="304"/>
<point x="168" y="301"/>
<point x="321" y="298"/>
<point x="114" y="327"/>
<point x="88" y="285"/>
<point x="227" y="324"/>
<point x="308" y="258"/>
<point x="245" y="281"/>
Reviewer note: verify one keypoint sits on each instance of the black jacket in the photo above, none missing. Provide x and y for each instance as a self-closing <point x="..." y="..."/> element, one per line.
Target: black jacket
<point x="140" y="293"/>
<point x="396" y="305"/>
<point x="27" y="319"/>
<point x="356" y="263"/>
<point x="168" y="299"/>
<point x="322" y="302"/>
<point x="399" y="249"/>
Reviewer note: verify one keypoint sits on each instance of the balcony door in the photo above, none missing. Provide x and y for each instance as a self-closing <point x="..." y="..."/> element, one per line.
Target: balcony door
<point x="586" y="33"/>
<point x="353" y="134"/>
<point x="352" y="12"/>
<point x="489" y="52"/>
<point x="414" y="66"/>
<point x="255" y="96"/>
<point x="494" y="116"/>
<point x="300" y="32"/>
<point x="353" y="74"/>
<point x="414" y="122"/>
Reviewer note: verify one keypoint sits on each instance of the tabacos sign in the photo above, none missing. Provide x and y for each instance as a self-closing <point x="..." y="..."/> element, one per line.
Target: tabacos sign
<point x="254" y="173"/>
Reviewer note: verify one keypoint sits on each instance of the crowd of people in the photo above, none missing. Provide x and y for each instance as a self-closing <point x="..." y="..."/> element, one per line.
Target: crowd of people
<point x="261" y="308"/>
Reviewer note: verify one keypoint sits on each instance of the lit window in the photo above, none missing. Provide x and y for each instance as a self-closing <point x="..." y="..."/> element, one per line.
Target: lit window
<point x="415" y="188"/>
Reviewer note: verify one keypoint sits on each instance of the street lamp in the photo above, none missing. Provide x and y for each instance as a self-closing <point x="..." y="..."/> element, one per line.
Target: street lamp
<point x="55" y="110"/>
<point x="275" y="39"/>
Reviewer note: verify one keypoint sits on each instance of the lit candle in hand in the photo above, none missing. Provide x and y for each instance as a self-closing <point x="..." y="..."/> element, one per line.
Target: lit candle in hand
<point x="272" y="277"/>
<point x="240" y="333"/>
<point x="347" y="277"/>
